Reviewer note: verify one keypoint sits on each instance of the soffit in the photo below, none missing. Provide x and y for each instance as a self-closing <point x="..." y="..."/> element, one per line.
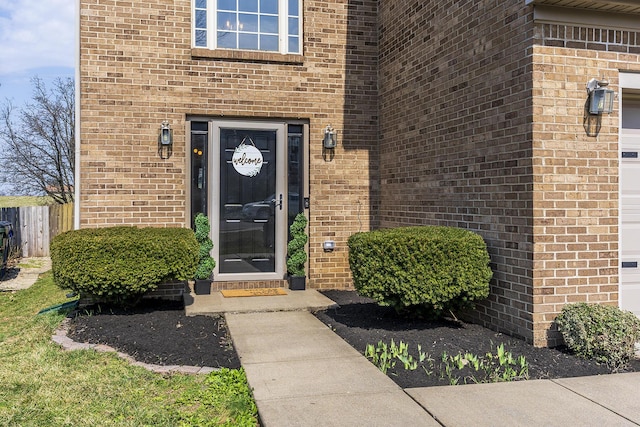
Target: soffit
<point x="616" y="6"/>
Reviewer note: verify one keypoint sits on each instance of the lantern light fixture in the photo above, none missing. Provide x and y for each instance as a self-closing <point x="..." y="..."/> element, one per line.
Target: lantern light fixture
<point x="330" y="139"/>
<point x="600" y="98"/>
<point x="166" y="134"/>
<point x="165" y="140"/>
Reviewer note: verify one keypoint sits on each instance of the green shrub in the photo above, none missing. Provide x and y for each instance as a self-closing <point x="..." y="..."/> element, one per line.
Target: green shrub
<point x="409" y="268"/>
<point x="120" y="264"/>
<point x="206" y="264"/>
<point x="600" y="332"/>
<point x="296" y="254"/>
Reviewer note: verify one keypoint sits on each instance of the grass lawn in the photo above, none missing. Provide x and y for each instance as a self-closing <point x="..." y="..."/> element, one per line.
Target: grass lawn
<point x="42" y="385"/>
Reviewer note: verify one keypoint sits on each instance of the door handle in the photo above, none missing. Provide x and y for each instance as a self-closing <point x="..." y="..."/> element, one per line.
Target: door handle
<point x="277" y="203"/>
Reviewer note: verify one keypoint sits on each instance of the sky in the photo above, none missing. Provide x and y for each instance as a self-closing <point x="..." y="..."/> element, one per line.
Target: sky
<point x="37" y="38"/>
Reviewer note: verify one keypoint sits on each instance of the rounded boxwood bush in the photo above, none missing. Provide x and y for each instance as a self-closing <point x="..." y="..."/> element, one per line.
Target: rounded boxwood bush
<point x="120" y="264"/>
<point x="415" y="268"/>
<point x="600" y="332"/>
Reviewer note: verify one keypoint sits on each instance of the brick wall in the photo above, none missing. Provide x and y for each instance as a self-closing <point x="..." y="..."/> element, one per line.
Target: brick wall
<point x="456" y="82"/>
<point x="576" y="170"/>
<point x="483" y="124"/>
<point x="467" y="114"/>
<point x="138" y="69"/>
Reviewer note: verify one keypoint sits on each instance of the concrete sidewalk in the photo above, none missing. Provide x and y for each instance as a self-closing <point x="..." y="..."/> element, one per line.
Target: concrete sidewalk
<point x="302" y="374"/>
<point x="608" y="400"/>
<point x="24" y="274"/>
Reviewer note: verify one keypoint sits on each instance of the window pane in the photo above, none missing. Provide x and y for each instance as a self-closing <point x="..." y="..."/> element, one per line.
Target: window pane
<point x="248" y="41"/>
<point x="294" y="8"/>
<point x="269" y="6"/>
<point x="227" y="21"/>
<point x="227" y="4"/>
<point x="203" y="126"/>
<point x="199" y="166"/>
<point x="248" y="23"/>
<point x="201" y="19"/>
<point x="248" y="6"/>
<point x="226" y="40"/>
<point x="293" y="26"/>
<point x="269" y="24"/>
<point x="269" y="43"/>
<point x="201" y="38"/>
<point x="294" y="45"/>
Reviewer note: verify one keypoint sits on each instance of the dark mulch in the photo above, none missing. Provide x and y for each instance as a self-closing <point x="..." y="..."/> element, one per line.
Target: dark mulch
<point x="359" y="321"/>
<point x="160" y="333"/>
<point x="157" y="332"/>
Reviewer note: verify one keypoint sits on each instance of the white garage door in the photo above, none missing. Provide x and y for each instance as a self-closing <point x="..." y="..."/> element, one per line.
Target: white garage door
<point x="630" y="204"/>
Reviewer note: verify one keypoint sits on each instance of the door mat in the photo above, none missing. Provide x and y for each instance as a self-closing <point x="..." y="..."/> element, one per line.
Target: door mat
<point x="258" y="292"/>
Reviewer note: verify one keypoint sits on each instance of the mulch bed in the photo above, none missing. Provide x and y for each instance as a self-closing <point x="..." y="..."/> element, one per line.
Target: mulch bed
<point x="158" y="332"/>
<point x="359" y="321"/>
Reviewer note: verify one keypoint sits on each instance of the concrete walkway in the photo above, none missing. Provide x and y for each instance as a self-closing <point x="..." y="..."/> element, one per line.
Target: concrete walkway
<point x="24" y="274"/>
<point x="302" y="374"/>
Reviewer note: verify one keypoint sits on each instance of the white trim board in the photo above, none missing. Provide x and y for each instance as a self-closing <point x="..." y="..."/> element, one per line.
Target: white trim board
<point x="629" y="80"/>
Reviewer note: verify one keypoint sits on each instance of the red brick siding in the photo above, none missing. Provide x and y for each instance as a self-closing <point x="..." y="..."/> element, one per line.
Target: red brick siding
<point x="457" y="113"/>
<point x="482" y="117"/>
<point x="456" y="109"/>
<point x="137" y="69"/>
<point x="576" y="204"/>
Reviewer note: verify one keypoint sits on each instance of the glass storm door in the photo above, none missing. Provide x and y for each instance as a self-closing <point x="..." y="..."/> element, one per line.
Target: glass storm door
<point x="251" y="211"/>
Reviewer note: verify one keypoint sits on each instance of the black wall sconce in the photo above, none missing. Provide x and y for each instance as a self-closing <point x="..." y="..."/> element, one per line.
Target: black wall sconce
<point x="330" y="139"/>
<point x="165" y="140"/>
<point x="600" y="98"/>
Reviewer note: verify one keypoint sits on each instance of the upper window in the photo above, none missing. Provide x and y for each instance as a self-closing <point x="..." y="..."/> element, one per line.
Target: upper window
<point x="265" y="25"/>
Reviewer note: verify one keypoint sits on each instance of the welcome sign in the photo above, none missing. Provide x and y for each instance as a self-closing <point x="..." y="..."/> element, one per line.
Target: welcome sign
<point x="247" y="159"/>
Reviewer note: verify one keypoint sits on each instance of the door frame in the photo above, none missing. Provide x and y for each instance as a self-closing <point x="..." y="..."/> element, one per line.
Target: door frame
<point x="280" y="251"/>
<point x="211" y="180"/>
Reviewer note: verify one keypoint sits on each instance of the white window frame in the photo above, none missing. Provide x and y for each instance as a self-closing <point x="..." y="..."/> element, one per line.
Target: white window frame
<point x="283" y="27"/>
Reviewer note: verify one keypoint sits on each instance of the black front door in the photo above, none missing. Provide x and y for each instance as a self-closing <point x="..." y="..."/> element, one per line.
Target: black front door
<point x="252" y="205"/>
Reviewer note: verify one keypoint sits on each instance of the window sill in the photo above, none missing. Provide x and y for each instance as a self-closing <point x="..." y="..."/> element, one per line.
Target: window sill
<point x="246" y="55"/>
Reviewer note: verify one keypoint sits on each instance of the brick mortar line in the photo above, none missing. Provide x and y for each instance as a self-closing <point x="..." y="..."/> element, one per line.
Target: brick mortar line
<point x="61" y="338"/>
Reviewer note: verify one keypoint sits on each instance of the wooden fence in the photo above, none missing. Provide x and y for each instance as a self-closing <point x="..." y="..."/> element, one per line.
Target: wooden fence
<point x="35" y="226"/>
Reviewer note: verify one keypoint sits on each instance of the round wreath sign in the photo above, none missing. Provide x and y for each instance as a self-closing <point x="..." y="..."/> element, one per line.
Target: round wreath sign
<point x="247" y="159"/>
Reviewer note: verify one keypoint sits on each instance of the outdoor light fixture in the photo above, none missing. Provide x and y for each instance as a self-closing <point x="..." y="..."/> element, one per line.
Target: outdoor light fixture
<point x="330" y="139"/>
<point x="600" y="99"/>
<point x="165" y="140"/>
<point x="166" y="134"/>
<point x="328" y="245"/>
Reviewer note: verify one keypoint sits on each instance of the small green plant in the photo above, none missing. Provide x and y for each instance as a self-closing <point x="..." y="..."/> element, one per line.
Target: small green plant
<point x="206" y="264"/>
<point x="600" y="332"/>
<point x="465" y="367"/>
<point x="499" y="367"/>
<point x="380" y="356"/>
<point x="296" y="254"/>
<point x="385" y="356"/>
<point x="504" y="367"/>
